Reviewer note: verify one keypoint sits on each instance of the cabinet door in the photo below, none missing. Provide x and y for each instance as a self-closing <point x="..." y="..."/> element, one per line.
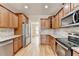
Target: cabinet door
<point x="72" y="6"/>
<point x="52" y="43"/>
<point x="20" y="45"/>
<point x="46" y="24"/>
<point x="44" y="39"/>
<point x="76" y="5"/>
<point x="61" y="14"/>
<point x="53" y="22"/>
<point x="42" y="24"/>
<point x="15" y="45"/>
<point x="13" y="20"/>
<point x="4" y="17"/>
<point x="56" y="24"/>
<point x="66" y="9"/>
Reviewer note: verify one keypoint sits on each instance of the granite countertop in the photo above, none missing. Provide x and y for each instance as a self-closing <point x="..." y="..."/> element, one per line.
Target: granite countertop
<point x="6" y="38"/>
<point x="55" y="34"/>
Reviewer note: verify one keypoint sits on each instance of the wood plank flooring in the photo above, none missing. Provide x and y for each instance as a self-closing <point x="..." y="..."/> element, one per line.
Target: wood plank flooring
<point x="35" y="49"/>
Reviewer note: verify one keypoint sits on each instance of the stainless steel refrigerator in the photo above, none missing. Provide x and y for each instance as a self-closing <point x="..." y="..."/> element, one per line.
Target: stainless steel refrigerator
<point x="26" y="34"/>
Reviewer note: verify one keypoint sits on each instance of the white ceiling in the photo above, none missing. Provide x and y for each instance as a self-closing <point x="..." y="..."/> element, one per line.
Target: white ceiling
<point x="34" y="8"/>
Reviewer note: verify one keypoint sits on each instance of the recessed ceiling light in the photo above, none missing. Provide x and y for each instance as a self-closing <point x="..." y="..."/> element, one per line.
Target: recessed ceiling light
<point x="46" y="6"/>
<point x="26" y="6"/>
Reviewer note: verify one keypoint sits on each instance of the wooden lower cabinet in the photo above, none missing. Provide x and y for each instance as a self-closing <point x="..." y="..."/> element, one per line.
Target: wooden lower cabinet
<point x="52" y="43"/>
<point x="20" y="43"/>
<point x="75" y="53"/>
<point x="44" y="39"/>
<point x="13" y="20"/>
<point x="17" y="45"/>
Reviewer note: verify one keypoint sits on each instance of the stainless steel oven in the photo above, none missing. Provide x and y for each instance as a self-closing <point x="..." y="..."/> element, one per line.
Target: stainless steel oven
<point x="61" y="50"/>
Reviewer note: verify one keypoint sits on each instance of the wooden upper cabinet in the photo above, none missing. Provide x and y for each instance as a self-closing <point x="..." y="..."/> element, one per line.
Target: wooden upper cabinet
<point x="66" y="8"/>
<point x="50" y="21"/>
<point x="72" y="6"/>
<point x="45" y="23"/>
<point x="53" y="22"/>
<point x="76" y="5"/>
<point x="42" y="24"/>
<point x="56" y="24"/>
<point x="61" y="14"/>
<point x="4" y="17"/>
<point x="8" y="19"/>
<point x="13" y="19"/>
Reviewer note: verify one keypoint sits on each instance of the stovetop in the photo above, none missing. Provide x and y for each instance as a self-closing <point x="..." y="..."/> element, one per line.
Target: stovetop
<point x="67" y="43"/>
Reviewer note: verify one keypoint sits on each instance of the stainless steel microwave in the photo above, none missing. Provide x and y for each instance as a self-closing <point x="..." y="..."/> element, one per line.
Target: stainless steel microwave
<point x="71" y="18"/>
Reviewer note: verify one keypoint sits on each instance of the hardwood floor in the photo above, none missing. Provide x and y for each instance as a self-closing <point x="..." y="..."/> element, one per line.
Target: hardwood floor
<point x="35" y="49"/>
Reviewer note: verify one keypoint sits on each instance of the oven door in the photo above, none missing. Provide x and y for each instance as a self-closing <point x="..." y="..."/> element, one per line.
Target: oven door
<point x="61" y="50"/>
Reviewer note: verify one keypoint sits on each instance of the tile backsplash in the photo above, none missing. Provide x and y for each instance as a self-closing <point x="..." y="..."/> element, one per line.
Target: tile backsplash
<point x="65" y="31"/>
<point x="70" y="29"/>
<point x="6" y="31"/>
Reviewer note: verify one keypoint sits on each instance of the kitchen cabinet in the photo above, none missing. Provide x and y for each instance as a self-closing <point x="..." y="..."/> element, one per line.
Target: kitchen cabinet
<point x="15" y="45"/>
<point x="76" y="5"/>
<point x="61" y="14"/>
<point x="50" y="21"/>
<point x="72" y="6"/>
<point x="8" y="19"/>
<point x="4" y="17"/>
<point x="56" y="24"/>
<point x="53" y="22"/>
<point x="20" y="42"/>
<point x="52" y="43"/>
<point x="42" y="24"/>
<point x="44" y="39"/>
<point x="66" y="8"/>
<point x="75" y="53"/>
<point x="13" y="20"/>
<point x="45" y="23"/>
